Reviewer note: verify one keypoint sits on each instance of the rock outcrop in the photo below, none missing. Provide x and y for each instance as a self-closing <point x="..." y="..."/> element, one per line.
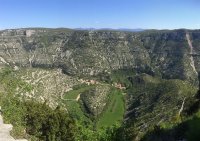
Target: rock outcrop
<point x="94" y="100"/>
<point x="5" y="132"/>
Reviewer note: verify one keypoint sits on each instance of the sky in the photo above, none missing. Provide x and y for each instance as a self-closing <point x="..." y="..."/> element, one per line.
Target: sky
<point x="146" y="14"/>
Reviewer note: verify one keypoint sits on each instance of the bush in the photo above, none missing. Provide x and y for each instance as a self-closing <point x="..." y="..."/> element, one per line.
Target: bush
<point x="48" y="124"/>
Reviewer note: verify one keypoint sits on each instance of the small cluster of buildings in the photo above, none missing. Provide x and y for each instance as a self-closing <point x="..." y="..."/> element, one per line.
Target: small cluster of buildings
<point x="119" y="86"/>
<point x="93" y="82"/>
<point x="88" y="82"/>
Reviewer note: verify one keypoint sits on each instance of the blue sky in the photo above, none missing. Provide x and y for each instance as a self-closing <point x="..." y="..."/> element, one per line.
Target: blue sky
<point x="148" y="14"/>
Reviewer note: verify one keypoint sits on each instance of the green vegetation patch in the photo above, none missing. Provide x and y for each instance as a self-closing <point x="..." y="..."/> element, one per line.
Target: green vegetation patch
<point x="120" y="76"/>
<point x="114" y="111"/>
<point x="73" y="106"/>
<point x="74" y="93"/>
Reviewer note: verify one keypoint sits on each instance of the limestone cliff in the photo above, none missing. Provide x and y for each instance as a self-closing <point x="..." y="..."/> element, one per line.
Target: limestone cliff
<point x="165" y="53"/>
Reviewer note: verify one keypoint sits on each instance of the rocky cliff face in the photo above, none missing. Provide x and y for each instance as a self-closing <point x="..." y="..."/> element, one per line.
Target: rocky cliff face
<point x="170" y="54"/>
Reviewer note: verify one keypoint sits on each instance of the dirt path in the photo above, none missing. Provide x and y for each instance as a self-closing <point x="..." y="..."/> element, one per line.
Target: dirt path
<point x="78" y="97"/>
<point x="191" y="52"/>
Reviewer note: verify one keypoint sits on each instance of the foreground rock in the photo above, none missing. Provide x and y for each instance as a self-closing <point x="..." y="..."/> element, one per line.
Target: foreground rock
<point x="5" y="132"/>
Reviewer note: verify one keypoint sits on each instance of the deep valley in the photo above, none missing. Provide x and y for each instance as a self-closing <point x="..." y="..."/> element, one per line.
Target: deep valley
<point x="103" y="85"/>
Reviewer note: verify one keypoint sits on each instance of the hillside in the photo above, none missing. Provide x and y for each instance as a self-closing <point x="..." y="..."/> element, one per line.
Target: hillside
<point x="133" y="81"/>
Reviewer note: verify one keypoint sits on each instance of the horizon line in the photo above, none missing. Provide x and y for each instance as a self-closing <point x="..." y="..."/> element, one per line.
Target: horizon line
<point x="93" y="28"/>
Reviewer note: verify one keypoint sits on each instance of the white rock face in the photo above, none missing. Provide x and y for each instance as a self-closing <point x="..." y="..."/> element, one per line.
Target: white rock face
<point x="5" y="132"/>
<point x="29" y="33"/>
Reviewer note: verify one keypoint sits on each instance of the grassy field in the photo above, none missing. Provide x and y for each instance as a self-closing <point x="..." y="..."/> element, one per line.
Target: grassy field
<point x="73" y="106"/>
<point x="114" y="112"/>
<point x="74" y="93"/>
<point x="75" y="110"/>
